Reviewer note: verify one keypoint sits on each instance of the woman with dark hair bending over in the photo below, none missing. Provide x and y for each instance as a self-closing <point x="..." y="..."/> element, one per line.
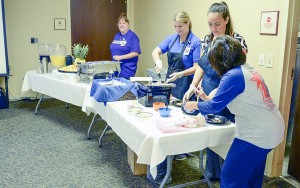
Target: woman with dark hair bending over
<point x="260" y="126"/>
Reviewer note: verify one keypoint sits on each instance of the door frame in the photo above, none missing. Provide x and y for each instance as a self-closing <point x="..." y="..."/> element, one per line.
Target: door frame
<point x="287" y="81"/>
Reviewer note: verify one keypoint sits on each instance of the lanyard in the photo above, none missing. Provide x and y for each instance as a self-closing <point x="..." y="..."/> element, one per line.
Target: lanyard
<point x="185" y="43"/>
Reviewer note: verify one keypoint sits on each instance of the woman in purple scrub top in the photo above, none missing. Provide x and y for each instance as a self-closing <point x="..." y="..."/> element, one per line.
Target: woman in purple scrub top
<point x="125" y="48"/>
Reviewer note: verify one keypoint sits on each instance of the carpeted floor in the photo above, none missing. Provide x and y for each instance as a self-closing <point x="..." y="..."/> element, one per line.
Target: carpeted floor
<point x="51" y="150"/>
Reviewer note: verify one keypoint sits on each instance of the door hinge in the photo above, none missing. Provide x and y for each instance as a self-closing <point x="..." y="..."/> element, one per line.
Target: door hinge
<point x="292" y="74"/>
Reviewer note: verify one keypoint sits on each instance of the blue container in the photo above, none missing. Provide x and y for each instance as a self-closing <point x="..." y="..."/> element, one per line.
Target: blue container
<point x="69" y="60"/>
<point x="164" y="112"/>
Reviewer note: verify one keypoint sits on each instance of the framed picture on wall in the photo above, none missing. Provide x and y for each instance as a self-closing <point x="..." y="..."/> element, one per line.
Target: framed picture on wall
<point x="59" y="24"/>
<point x="269" y="22"/>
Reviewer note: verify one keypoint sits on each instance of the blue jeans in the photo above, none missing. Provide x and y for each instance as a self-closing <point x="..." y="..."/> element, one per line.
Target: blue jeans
<point x="213" y="164"/>
<point x="161" y="173"/>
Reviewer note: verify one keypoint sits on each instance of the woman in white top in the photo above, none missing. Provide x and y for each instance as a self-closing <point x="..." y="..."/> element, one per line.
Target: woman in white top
<point x="259" y="123"/>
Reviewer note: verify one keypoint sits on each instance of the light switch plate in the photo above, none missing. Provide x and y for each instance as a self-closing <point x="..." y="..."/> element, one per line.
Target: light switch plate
<point x="269" y="60"/>
<point x="261" y="59"/>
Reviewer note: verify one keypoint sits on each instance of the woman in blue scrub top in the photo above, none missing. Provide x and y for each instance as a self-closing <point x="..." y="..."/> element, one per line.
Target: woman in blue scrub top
<point x="125" y="48"/>
<point x="183" y="51"/>
<point x="219" y="22"/>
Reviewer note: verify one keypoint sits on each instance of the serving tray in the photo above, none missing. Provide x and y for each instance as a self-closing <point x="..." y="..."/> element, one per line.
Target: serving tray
<point x="65" y="71"/>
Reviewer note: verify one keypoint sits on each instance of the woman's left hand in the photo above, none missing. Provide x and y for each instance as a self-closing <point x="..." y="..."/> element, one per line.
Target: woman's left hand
<point x="174" y="76"/>
<point x="117" y="57"/>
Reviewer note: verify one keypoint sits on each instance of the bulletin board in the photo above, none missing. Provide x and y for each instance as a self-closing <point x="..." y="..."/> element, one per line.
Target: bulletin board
<point x="4" y="71"/>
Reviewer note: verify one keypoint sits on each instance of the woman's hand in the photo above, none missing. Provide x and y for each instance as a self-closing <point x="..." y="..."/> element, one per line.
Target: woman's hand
<point x="200" y="93"/>
<point x="190" y="106"/>
<point x="189" y="93"/>
<point x="117" y="57"/>
<point x="174" y="76"/>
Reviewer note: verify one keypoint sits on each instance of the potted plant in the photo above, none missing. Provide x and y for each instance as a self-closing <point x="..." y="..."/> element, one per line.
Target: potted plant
<point x="80" y="52"/>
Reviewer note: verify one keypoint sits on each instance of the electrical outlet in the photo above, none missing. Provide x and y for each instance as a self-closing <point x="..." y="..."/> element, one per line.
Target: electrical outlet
<point x="269" y="60"/>
<point x="34" y="40"/>
<point x="261" y="59"/>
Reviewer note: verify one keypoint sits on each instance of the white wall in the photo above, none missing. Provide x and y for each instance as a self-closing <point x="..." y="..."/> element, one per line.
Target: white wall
<point x="32" y="18"/>
<point x="150" y="19"/>
<point x="153" y="22"/>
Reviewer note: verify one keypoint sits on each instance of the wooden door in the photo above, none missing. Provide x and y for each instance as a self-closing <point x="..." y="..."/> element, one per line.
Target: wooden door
<point x="294" y="156"/>
<point x="93" y="22"/>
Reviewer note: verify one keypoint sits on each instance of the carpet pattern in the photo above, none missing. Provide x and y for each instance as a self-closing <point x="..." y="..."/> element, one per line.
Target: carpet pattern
<point x="51" y="150"/>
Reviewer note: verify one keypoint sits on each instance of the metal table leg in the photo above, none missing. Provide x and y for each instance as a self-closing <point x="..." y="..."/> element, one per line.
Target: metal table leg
<point x="100" y="138"/>
<point x="91" y="124"/>
<point x="205" y="180"/>
<point x="37" y="106"/>
<point x="169" y="168"/>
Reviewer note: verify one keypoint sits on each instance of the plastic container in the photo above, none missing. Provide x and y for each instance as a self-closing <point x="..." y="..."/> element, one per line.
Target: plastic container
<point x="44" y="51"/>
<point x="164" y="112"/>
<point x="69" y="60"/>
<point x="58" y="55"/>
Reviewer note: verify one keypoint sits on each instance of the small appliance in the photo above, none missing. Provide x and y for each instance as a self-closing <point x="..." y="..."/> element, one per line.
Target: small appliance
<point x="153" y="91"/>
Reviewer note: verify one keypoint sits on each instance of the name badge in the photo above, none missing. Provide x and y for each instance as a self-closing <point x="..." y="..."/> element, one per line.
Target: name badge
<point x="187" y="51"/>
<point x="123" y="42"/>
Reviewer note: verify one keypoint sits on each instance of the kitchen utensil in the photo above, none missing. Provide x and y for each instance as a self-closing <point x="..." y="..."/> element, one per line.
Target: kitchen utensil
<point x="159" y="77"/>
<point x="150" y="92"/>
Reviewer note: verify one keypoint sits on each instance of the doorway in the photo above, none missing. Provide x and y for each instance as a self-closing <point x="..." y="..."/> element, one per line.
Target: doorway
<point x="293" y="135"/>
<point x="95" y="23"/>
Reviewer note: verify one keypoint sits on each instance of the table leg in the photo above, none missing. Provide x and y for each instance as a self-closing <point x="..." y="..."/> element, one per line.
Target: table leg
<point x="91" y="124"/>
<point x="205" y="180"/>
<point x="104" y="131"/>
<point x="169" y="168"/>
<point x="37" y="106"/>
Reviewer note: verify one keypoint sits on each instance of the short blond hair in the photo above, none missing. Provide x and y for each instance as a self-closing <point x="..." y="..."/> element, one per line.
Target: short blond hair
<point x="183" y="17"/>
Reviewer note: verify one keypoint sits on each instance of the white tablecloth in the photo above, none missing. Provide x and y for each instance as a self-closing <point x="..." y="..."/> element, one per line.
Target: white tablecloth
<point x="141" y="135"/>
<point x="148" y="142"/>
<point x="64" y="90"/>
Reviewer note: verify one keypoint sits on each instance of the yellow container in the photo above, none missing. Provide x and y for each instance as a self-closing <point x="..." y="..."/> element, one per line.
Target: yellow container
<point x="58" y="60"/>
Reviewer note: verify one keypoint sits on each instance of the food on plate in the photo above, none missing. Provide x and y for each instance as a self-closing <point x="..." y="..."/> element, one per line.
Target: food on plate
<point x="216" y="119"/>
<point x="69" y="68"/>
